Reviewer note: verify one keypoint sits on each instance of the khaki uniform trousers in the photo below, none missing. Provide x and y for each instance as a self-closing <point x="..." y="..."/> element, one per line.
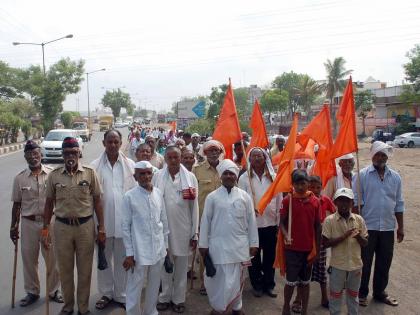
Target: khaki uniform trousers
<point x="71" y="241"/>
<point x="30" y="245"/>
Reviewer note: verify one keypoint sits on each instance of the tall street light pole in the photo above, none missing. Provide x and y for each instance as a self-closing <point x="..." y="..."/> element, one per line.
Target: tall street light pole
<point x="43" y="45"/>
<point x="87" y="83"/>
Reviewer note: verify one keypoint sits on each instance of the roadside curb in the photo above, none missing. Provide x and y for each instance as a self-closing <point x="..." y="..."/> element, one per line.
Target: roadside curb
<point x="14" y="147"/>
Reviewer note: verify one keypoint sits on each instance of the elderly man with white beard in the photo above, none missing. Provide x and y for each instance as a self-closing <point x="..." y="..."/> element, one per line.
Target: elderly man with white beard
<point x="229" y="239"/>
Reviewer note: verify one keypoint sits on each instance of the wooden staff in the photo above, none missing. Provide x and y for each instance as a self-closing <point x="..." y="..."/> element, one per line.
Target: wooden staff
<point x="248" y="170"/>
<point x="47" y="288"/>
<point x="192" y="269"/>
<point x="359" y="197"/>
<point x="15" y="259"/>
<point x="289" y="220"/>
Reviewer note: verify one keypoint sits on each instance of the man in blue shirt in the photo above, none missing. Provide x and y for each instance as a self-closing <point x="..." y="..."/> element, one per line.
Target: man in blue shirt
<point x="382" y="207"/>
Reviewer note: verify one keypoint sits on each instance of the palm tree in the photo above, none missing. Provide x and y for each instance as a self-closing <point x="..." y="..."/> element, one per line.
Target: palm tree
<point x="308" y="89"/>
<point x="336" y="73"/>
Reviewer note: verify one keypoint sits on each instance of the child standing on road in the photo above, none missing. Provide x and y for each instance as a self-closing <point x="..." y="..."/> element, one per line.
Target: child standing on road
<point x="345" y="232"/>
<point x="305" y="233"/>
<point x="319" y="273"/>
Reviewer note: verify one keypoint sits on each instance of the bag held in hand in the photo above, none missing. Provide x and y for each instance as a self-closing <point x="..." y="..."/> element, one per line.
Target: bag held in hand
<point x="210" y="269"/>
<point x="168" y="264"/>
<point x="102" y="263"/>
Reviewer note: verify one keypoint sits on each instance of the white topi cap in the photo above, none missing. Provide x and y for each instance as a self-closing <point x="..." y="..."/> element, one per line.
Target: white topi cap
<point x="143" y="165"/>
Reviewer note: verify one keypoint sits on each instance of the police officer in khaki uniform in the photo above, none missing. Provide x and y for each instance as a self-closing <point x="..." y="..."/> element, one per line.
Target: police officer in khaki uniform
<point x="76" y="192"/>
<point x="208" y="181"/>
<point x="28" y="199"/>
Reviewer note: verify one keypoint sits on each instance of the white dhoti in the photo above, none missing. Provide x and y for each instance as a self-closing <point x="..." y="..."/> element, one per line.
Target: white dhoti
<point x="174" y="285"/>
<point x="135" y="282"/>
<point x="112" y="280"/>
<point x="224" y="290"/>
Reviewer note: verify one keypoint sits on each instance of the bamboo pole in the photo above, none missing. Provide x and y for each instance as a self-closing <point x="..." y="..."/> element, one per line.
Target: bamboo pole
<point x="15" y="260"/>
<point x="192" y="270"/>
<point x="47" y="289"/>
<point x="289" y="220"/>
<point x="359" y="197"/>
<point x="248" y="170"/>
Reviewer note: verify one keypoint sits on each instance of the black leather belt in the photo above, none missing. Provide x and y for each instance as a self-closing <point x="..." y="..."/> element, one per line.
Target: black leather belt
<point x="73" y="221"/>
<point x="39" y="218"/>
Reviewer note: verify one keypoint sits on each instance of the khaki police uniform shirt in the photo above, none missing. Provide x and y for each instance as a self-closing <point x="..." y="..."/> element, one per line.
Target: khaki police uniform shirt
<point x="30" y="191"/>
<point x="347" y="254"/>
<point x="208" y="181"/>
<point x="73" y="194"/>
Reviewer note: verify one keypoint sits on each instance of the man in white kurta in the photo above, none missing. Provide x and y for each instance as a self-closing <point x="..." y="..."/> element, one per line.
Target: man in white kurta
<point x="145" y="234"/>
<point x="180" y="188"/>
<point x="261" y="272"/>
<point x="228" y="233"/>
<point x="115" y="172"/>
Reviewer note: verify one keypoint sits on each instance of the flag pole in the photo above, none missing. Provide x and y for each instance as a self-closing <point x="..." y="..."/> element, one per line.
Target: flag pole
<point x="289" y="220"/>
<point x="248" y="170"/>
<point x="359" y="207"/>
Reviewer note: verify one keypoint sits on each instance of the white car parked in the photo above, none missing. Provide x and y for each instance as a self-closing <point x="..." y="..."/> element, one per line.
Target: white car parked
<point x="51" y="144"/>
<point x="409" y="139"/>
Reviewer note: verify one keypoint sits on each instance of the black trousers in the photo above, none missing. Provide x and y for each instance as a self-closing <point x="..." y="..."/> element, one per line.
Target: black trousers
<point x="261" y="273"/>
<point x="380" y="244"/>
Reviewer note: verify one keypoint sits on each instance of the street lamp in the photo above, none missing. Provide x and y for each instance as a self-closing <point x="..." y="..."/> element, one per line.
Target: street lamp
<point x="87" y="83"/>
<point x="42" y="45"/>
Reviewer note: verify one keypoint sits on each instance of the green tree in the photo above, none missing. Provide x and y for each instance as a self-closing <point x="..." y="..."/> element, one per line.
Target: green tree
<point x="216" y="98"/>
<point x="275" y="100"/>
<point x="364" y="101"/>
<point x="68" y="117"/>
<point x="201" y="126"/>
<point x="336" y="81"/>
<point x="412" y="68"/>
<point x="49" y="92"/>
<point x="411" y="92"/>
<point x="289" y="82"/>
<point x="307" y="91"/>
<point x="243" y="107"/>
<point x="117" y="100"/>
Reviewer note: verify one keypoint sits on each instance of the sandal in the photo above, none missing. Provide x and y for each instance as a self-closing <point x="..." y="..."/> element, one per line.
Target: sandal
<point x="29" y="299"/>
<point x="297" y="307"/>
<point x="363" y="301"/>
<point x="103" y="302"/>
<point x="326" y="304"/>
<point x="387" y="300"/>
<point x="163" y="306"/>
<point x="203" y="291"/>
<point x="57" y="297"/>
<point x="178" y="308"/>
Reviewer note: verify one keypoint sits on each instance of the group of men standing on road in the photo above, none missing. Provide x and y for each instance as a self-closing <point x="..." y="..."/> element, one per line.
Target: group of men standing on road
<point x="151" y="215"/>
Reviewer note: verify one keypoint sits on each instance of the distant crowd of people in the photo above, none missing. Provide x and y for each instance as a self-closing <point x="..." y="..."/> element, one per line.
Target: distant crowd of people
<point x="175" y="198"/>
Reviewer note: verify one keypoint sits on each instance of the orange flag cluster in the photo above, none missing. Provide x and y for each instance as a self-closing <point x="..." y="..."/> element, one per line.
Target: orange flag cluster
<point x="227" y="129"/>
<point x="259" y="132"/>
<point x="283" y="180"/>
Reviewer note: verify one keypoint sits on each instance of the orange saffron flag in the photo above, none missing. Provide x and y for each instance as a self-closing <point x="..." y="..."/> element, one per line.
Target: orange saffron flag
<point x="259" y="132"/>
<point x="283" y="180"/>
<point x="346" y="140"/>
<point x="173" y="125"/>
<point x="227" y="129"/>
<point x="319" y="130"/>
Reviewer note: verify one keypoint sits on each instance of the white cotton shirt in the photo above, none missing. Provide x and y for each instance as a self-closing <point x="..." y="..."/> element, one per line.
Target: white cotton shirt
<point x="144" y="225"/>
<point x="114" y="184"/>
<point x="271" y="215"/>
<point x="228" y="226"/>
<point x="182" y="214"/>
